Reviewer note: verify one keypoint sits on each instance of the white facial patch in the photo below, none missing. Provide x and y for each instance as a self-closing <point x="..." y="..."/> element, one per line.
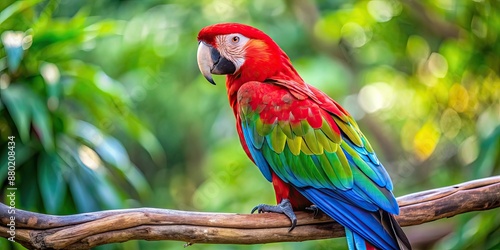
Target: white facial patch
<point x="232" y="47"/>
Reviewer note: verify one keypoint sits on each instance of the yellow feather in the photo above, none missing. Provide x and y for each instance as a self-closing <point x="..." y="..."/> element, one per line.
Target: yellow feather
<point x="312" y="142"/>
<point x="332" y="135"/>
<point x="328" y="145"/>
<point x="278" y="140"/>
<point x="349" y="131"/>
<point x="294" y="145"/>
<point x="344" y="162"/>
<point x="285" y="127"/>
<point x="305" y="149"/>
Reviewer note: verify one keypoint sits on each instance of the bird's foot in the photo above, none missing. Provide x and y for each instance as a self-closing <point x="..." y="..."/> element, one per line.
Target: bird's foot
<point x="315" y="210"/>
<point x="285" y="207"/>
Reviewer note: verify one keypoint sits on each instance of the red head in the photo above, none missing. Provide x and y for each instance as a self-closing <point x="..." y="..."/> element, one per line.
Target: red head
<point x="241" y="52"/>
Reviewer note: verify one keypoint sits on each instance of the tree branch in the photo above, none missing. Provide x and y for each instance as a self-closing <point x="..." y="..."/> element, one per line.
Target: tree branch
<point x="82" y="231"/>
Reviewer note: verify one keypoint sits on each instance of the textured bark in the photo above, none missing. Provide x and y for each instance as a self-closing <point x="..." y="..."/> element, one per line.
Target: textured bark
<point x="82" y="231"/>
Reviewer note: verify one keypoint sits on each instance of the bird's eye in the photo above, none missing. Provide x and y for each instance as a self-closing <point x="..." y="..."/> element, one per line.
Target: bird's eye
<point x="235" y="39"/>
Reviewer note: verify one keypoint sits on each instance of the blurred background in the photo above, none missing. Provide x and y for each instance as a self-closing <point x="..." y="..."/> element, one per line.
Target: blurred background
<point x="110" y="111"/>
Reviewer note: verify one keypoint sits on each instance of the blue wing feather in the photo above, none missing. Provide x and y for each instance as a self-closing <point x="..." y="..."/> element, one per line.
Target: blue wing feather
<point x="257" y="156"/>
<point x="382" y="177"/>
<point x="359" y="220"/>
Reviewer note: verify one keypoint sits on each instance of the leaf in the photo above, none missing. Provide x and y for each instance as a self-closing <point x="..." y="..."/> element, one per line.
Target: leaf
<point x="79" y="175"/>
<point x="147" y="140"/>
<point x="105" y="27"/>
<point x="51" y="181"/>
<point x="109" y="149"/>
<point x="15" y="97"/>
<point x="112" y="152"/>
<point x="42" y="123"/>
<point x="488" y="155"/>
<point x="16" y="7"/>
<point x="25" y="107"/>
<point x="83" y="199"/>
<point x="138" y="181"/>
<point x="107" y="193"/>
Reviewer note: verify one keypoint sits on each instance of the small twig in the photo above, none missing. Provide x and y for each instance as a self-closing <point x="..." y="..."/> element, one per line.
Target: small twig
<point x="83" y="231"/>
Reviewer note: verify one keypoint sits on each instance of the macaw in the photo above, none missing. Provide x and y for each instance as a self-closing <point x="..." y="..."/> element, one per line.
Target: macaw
<point x="302" y="141"/>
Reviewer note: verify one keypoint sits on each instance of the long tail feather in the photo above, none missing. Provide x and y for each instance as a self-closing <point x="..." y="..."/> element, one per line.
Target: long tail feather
<point x="379" y="228"/>
<point x="354" y="241"/>
<point x="389" y="222"/>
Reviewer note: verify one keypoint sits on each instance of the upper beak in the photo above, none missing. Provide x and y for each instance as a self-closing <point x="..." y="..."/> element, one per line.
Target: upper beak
<point x="205" y="62"/>
<point x="211" y="62"/>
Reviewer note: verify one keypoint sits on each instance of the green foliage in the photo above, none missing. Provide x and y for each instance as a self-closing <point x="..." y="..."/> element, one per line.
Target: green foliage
<point x="109" y="109"/>
<point x="62" y="111"/>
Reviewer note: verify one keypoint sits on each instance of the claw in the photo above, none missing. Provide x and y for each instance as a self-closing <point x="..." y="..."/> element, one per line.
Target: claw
<point x="314" y="209"/>
<point x="285" y="207"/>
<point x="258" y="207"/>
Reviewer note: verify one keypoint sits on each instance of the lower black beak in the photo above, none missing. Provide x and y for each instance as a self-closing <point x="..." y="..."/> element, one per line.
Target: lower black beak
<point x="211" y="62"/>
<point x="222" y="66"/>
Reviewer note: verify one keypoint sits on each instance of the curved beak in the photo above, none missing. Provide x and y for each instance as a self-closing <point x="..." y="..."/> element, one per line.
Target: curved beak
<point x="211" y="62"/>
